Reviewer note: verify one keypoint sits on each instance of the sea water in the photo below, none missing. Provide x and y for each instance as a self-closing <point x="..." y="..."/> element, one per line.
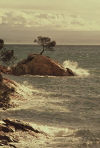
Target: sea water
<point x="66" y="108"/>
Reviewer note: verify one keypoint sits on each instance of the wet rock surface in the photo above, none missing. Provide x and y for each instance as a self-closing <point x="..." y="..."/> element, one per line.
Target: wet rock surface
<point x="12" y="130"/>
<point x="37" y="64"/>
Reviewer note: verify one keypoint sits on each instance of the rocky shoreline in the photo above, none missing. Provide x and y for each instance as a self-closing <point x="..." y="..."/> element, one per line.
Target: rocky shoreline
<point x="36" y="64"/>
<point x="13" y="132"/>
<point x="5" y="92"/>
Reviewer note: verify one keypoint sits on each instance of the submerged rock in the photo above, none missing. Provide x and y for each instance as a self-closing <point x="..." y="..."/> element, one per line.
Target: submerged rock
<point x="37" y="64"/>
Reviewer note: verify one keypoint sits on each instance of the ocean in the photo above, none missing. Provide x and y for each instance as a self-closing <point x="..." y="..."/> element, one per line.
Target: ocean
<point x="66" y="108"/>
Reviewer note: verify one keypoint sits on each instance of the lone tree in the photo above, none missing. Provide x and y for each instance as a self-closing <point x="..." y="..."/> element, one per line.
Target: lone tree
<point x="45" y="42"/>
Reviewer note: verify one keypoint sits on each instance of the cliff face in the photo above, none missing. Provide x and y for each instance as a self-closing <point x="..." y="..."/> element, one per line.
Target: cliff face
<point x="36" y="64"/>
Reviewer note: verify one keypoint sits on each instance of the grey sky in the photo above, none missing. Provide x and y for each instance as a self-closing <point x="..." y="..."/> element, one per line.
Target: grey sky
<point x="23" y="20"/>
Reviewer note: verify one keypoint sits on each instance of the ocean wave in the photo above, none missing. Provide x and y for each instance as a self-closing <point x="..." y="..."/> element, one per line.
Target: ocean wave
<point x="75" y="68"/>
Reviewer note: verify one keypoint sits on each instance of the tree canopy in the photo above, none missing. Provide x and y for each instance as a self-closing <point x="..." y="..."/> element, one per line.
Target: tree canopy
<point x="45" y="42"/>
<point x="6" y="56"/>
<point x="1" y="43"/>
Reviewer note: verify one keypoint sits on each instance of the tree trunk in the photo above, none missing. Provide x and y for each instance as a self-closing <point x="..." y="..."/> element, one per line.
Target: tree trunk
<point x="42" y="51"/>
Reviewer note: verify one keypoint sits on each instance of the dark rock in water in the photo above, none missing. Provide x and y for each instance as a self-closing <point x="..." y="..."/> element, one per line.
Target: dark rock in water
<point x="12" y="131"/>
<point x="5" y="128"/>
<point x="70" y="72"/>
<point x="37" y="64"/>
<point x="18" y="125"/>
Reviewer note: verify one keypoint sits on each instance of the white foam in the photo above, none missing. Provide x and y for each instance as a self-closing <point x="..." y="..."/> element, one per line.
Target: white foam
<point x="25" y="89"/>
<point x="75" y="68"/>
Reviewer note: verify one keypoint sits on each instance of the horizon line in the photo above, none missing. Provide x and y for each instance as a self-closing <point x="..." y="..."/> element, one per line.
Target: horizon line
<point x="56" y="45"/>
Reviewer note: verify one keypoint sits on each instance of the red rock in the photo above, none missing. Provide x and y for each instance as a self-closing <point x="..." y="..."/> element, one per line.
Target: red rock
<point x="4" y="69"/>
<point x="37" y="64"/>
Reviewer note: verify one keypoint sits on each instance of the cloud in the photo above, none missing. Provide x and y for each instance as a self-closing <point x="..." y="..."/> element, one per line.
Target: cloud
<point x="46" y="20"/>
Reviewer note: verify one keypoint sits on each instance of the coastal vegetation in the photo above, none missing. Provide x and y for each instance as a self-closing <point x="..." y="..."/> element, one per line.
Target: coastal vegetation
<point x="45" y="42"/>
<point x="1" y="43"/>
<point x="34" y="64"/>
<point x="7" y="57"/>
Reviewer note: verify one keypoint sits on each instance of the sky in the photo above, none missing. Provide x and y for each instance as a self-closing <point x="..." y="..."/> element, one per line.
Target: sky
<point x="66" y="21"/>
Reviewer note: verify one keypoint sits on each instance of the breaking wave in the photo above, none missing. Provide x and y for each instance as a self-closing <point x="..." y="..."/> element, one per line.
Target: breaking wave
<point x="75" y="68"/>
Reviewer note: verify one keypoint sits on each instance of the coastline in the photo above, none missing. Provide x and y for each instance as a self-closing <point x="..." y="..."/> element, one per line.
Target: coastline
<point x="14" y="133"/>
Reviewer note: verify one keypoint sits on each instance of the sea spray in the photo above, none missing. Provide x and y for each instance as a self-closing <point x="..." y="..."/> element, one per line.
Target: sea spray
<point x="25" y="89"/>
<point x="75" y="68"/>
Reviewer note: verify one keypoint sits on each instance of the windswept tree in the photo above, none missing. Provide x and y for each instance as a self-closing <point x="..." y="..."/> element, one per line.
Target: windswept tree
<point x="6" y="56"/>
<point x="45" y="42"/>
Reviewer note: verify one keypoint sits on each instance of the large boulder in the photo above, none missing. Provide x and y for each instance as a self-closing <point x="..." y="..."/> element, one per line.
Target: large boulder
<point x="37" y="64"/>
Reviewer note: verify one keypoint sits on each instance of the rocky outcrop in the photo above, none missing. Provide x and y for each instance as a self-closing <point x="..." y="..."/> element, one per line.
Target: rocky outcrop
<point x="37" y="64"/>
<point x="5" y="92"/>
<point x="13" y="132"/>
<point x="4" y="69"/>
